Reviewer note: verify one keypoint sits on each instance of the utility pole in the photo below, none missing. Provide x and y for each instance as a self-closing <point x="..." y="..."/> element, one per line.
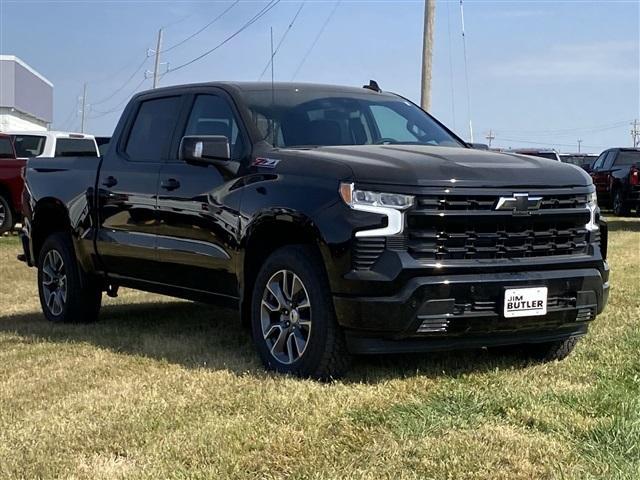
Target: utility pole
<point x="490" y="136"/>
<point x="84" y="106"/>
<point x="427" y="52"/>
<point x="635" y="133"/>
<point x="157" y="62"/>
<point x="579" y="142"/>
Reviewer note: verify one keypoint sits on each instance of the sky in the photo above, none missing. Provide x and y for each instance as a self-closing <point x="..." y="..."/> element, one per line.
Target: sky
<point x="541" y="74"/>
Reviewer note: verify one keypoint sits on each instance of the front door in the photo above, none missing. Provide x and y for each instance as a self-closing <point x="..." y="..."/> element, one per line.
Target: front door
<point x="128" y="187"/>
<point x="198" y="206"/>
<point x="600" y="176"/>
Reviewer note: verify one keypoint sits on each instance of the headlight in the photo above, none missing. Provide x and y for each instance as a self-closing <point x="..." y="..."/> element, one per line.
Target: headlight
<point x="592" y="205"/>
<point x="388" y="204"/>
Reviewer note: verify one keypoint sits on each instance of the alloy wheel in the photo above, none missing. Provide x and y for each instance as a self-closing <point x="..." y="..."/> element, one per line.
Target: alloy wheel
<point x="285" y="316"/>
<point x="54" y="282"/>
<point x="3" y="214"/>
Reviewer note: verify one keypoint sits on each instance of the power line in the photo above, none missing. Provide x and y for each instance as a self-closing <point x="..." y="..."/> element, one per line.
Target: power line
<point x="315" y="41"/>
<point x="282" y="39"/>
<point x="121" y="87"/>
<point x="570" y="131"/>
<point x="198" y="32"/>
<point x="254" y="19"/>
<point x="466" y="71"/>
<point x="117" y="107"/>
<point x="515" y="140"/>
<point x="453" y="98"/>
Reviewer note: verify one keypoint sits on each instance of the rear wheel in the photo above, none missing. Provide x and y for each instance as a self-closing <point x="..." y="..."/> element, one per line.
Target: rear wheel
<point x="7" y="220"/>
<point x="67" y="294"/>
<point x="619" y="207"/>
<point x="293" y="322"/>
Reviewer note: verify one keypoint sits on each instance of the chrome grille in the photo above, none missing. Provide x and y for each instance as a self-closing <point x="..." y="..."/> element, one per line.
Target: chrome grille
<point x="468" y="227"/>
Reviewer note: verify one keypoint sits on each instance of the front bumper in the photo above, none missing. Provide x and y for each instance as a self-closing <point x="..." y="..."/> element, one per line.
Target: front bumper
<point x="463" y="311"/>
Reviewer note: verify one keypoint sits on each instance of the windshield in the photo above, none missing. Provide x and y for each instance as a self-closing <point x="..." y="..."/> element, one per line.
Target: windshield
<point x="298" y="118"/>
<point x="28" y="145"/>
<point x="628" y="158"/>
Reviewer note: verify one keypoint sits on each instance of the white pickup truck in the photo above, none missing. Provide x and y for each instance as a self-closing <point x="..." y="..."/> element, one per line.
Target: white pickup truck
<point x="53" y="144"/>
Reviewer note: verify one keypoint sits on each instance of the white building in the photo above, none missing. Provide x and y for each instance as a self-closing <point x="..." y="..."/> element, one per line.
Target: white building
<point x="26" y="97"/>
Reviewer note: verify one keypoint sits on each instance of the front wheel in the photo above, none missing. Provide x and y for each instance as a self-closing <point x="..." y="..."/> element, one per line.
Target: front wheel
<point x="67" y="294"/>
<point x="292" y="317"/>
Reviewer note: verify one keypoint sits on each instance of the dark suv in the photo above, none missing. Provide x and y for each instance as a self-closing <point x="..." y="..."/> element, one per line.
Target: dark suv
<point x="337" y="220"/>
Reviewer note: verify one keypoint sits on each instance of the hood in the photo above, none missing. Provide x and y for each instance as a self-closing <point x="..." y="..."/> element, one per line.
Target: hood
<point x="422" y="165"/>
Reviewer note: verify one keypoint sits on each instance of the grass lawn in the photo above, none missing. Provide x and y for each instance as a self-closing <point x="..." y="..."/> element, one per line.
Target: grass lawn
<point x="161" y="388"/>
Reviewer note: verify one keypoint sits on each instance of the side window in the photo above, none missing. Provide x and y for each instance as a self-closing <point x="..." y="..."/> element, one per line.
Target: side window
<point x="212" y="115"/>
<point x="152" y="129"/>
<point x="72" y="147"/>
<point x="597" y="165"/>
<point x="28" y="145"/>
<point x="608" y="163"/>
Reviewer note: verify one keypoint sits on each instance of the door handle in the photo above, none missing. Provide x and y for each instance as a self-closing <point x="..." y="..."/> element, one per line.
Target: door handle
<point x="171" y="184"/>
<point x="110" y="182"/>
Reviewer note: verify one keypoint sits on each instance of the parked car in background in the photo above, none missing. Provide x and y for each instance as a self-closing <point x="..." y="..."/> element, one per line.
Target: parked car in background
<point x="543" y="153"/>
<point x="11" y="185"/>
<point x="54" y="144"/>
<point x="337" y="220"/>
<point x="584" y="160"/>
<point x="103" y="144"/>
<point x="616" y="175"/>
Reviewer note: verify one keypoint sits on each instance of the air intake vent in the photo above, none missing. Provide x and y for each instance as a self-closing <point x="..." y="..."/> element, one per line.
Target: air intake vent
<point x="366" y="252"/>
<point x="434" y="325"/>
<point x="585" y="314"/>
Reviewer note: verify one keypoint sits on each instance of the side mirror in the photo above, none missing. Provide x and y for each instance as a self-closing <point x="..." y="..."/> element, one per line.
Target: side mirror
<point x="478" y="146"/>
<point x="211" y="149"/>
<point x="587" y="167"/>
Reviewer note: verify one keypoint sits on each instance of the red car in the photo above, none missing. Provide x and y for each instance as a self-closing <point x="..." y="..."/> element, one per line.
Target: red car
<point x="11" y="185"/>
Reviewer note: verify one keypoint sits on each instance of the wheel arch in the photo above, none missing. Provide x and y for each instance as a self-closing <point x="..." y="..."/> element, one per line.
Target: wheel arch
<point x="267" y="233"/>
<point x="49" y="216"/>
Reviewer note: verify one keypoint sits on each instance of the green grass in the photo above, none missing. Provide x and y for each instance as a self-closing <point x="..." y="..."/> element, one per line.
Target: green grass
<point x="161" y="388"/>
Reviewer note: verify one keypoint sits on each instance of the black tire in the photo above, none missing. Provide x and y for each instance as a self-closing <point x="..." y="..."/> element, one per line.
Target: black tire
<point x="544" y="352"/>
<point x="325" y="355"/>
<point x="620" y="209"/>
<point x="82" y="292"/>
<point x="7" y="220"/>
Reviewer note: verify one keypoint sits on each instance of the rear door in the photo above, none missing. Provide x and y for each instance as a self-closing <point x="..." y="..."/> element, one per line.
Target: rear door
<point x="128" y="187"/>
<point x="197" y="206"/>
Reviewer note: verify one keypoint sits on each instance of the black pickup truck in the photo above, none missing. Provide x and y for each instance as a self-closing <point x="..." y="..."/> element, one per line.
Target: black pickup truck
<point x="337" y="220"/>
<point x="616" y="175"/>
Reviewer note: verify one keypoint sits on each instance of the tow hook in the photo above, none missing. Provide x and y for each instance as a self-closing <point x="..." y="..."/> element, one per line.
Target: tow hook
<point x="112" y="290"/>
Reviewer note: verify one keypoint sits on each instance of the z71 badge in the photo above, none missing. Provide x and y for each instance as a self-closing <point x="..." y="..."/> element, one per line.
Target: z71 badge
<point x="265" y="162"/>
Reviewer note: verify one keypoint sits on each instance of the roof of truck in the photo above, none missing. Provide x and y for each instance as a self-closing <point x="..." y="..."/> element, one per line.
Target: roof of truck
<point x="50" y="133"/>
<point x="268" y="86"/>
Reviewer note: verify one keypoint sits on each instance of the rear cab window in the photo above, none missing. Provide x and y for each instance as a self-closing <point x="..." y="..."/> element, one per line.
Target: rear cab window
<point x="75" y="147"/>
<point x="28" y="145"/>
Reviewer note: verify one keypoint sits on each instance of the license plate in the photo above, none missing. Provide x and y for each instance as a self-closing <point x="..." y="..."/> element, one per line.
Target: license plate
<point x="525" y="302"/>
